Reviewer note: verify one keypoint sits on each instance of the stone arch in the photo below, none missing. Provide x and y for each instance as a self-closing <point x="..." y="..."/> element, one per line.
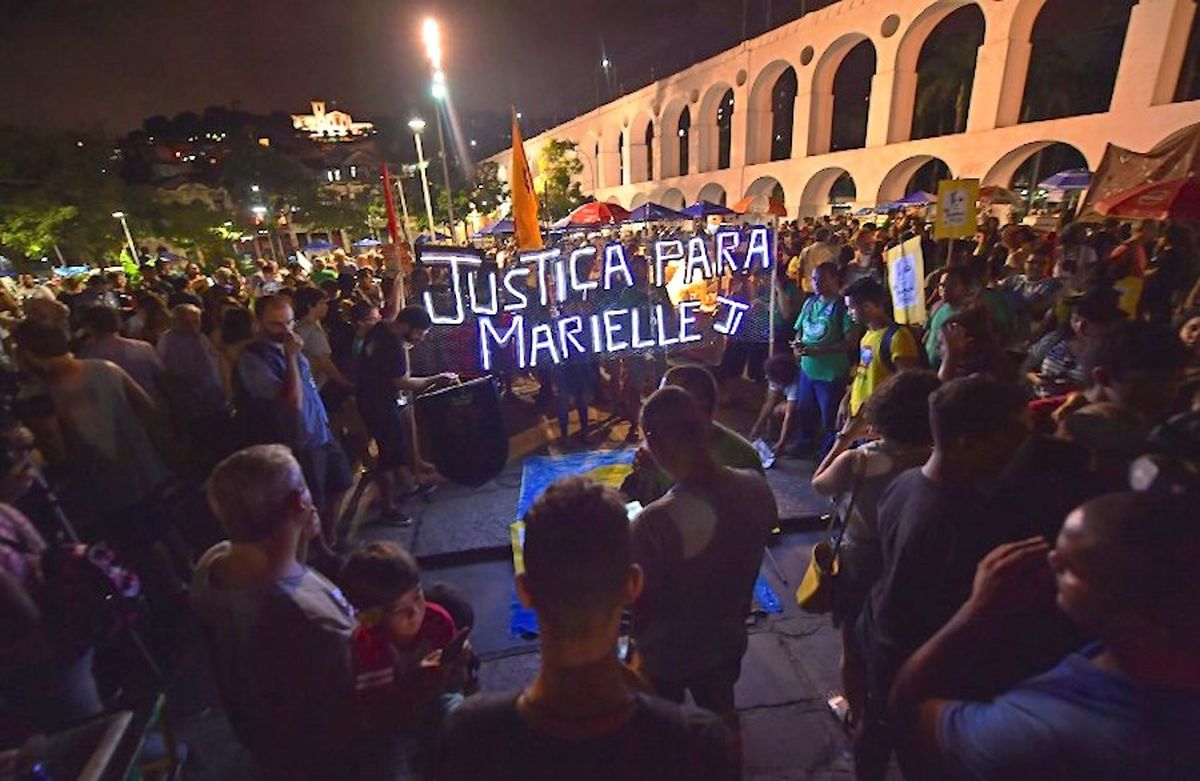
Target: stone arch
<point x="713" y="193"/>
<point x="899" y="181"/>
<point x="638" y="199"/>
<point x="767" y="117"/>
<point x="714" y="126"/>
<point x="673" y="148"/>
<point x="641" y="148"/>
<point x="587" y="152"/>
<point x="826" y="106"/>
<point x="614" y="199"/>
<point x="1076" y="48"/>
<point x="817" y="197"/>
<point x="1005" y="170"/>
<point x="609" y="156"/>
<point x="672" y="198"/>
<point x="946" y="73"/>
<point x="908" y="53"/>
<point x="768" y="186"/>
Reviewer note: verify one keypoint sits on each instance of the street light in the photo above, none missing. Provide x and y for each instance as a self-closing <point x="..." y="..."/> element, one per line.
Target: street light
<point x="416" y="124"/>
<point x="433" y="50"/>
<point x="119" y="215"/>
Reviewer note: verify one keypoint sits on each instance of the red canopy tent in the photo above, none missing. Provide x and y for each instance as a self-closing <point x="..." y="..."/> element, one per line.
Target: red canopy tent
<point x="1175" y="199"/>
<point x="597" y="213"/>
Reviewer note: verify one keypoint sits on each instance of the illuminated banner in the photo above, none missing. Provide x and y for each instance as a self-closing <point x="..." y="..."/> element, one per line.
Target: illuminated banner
<point x="593" y="300"/>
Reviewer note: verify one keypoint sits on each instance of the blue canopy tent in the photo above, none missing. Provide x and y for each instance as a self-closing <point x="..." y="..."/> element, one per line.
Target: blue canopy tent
<point x="318" y="246"/>
<point x="919" y="198"/>
<point x="425" y="238"/>
<point x="498" y="228"/>
<point x="701" y="209"/>
<point x="367" y="242"/>
<point x="653" y="212"/>
<point x="1073" y="179"/>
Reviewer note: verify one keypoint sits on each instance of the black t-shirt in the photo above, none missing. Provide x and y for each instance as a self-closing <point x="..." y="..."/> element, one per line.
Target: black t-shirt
<point x="932" y="536"/>
<point x="383" y="360"/>
<point x="487" y="740"/>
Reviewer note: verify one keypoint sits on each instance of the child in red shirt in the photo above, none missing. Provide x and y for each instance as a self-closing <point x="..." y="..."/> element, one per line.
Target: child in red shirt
<point x="397" y="645"/>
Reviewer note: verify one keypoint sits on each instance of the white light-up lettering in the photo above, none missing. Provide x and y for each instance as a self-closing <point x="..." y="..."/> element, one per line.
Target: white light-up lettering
<point x="488" y="335"/>
<point x="543" y="258"/>
<point x="635" y="336"/>
<point x="733" y="319"/>
<point x="758" y="247"/>
<point x="660" y="320"/>
<point x="687" y="319"/>
<point x="611" y="343"/>
<point x="697" y="258"/>
<point x="493" y="306"/>
<point x="541" y="337"/>
<point x="616" y="262"/>
<point x="520" y="300"/>
<point x="665" y="252"/>
<point x="582" y="285"/>
<point x="455" y="261"/>
<point x="726" y="242"/>
<point x="569" y="329"/>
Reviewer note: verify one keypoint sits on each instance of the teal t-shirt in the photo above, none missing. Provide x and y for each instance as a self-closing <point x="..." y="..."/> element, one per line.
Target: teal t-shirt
<point x="818" y="325"/>
<point x="938" y="319"/>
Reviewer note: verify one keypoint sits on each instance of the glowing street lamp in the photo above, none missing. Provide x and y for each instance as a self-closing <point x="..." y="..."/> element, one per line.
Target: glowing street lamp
<point x="119" y="215"/>
<point x="417" y="125"/>
<point x="431" y="34"/>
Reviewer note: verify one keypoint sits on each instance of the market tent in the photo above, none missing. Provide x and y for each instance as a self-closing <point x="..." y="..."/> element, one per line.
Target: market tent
<point x="701" y="209"/>
<point x="760" y="204"/>
<point x="919" y="198"/>
<point x="597" y="213"/>
<point x="1177" y="199"/>
<point x="1073" y="179"/>
<point x="652" y="212"/>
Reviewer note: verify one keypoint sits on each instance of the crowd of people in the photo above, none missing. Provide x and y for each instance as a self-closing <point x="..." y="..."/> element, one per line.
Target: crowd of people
<point x="1016" y="590"/>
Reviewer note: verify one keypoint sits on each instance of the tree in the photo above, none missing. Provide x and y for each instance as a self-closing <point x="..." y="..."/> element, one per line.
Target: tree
<point x="944" y="84"/>
<point x="282" y="181"/>
<point x="560" y="165"/>
<point x="487" y="191"/>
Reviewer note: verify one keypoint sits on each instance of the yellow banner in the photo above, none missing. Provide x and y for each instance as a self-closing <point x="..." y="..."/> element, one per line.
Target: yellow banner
<point x="906" y="280"/>
<point x="957" y="216"/>
<point x="524" y="199"/>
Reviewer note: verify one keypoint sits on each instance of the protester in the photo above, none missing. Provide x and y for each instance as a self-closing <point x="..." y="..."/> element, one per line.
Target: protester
<point x="584" y="716"/>
<point x="383" y="378"/>
<point x="278" y="632"/>
<point x="1125" y="707"/>
<point x="885" y="347"/>
<point x="826" y="333"/>
<point x="699" y="548"/>
<point x="954" y="288"/>
<point x="934" y="528"/>
<point x="277" y="402"/>
<point x="968" y="345"/>
<point x="101" y="326"/>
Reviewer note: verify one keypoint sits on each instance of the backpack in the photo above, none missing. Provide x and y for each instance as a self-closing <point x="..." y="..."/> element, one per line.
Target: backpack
<point x="886" y="347"/>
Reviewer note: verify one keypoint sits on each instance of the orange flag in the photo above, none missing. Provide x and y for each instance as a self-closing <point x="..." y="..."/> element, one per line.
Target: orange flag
<point x="524" y="199"/>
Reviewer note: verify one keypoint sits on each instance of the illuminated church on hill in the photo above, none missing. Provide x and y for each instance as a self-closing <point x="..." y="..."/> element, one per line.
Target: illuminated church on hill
<point x="334" y="125"/>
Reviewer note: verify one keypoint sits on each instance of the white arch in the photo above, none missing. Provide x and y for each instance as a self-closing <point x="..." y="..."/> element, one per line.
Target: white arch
<point x="669" y="143"/>
<point x="1001" y="173"/>
<point x="766" y="185"/>
<point x="640" y="169"/>
<point x="586" y="152"/>
<point x="705" y="123"/>
<point x="713" y="193"/>
<point x="615" y="199"/>
<point x="638" y="199"/>
<point x="820" y="125"/>
<point x="672" y="198"/>
<point x="815" y="198"/>
<point x="760" y="111"/>
<point x="894" y="183"/>
<point x="904" y="86"/>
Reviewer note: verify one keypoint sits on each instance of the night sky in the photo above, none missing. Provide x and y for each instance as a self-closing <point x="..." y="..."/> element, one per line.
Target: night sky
<point x="111" y="63"/>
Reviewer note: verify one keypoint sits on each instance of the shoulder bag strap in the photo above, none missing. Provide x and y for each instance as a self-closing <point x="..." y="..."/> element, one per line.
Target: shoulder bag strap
<point x="860" y="471"/>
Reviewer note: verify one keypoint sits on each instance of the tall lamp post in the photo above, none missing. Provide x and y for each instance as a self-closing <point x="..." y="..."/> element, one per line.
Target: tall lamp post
<point x="119" y="215"/>
<point x="416" y="124"/>
<point x="433" y="50"/>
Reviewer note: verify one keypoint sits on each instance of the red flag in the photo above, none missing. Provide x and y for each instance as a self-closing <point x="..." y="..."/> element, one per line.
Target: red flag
<point x="393" y="228"/>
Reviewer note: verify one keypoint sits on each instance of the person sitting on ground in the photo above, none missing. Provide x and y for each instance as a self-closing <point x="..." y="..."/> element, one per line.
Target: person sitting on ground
<point x="584" y="716"/>
<point x="728" y="448"/>
<point x="278" y="632"/>
<point x="700" y="548"/>
<point x="897" y="418"/>
<point x="1125" y="707"/>
<point x="383" y="376"/>
<point x="402" y="681"/>
<point x="885" y="347"/>
<point x="779" y="409"/>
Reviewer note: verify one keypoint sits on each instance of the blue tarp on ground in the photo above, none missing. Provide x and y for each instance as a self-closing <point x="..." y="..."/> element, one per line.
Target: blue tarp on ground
<point x="606" y="466"/>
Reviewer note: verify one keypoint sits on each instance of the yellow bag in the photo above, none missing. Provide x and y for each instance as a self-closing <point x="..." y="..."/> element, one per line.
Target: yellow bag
<point x="815" y="592"/>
